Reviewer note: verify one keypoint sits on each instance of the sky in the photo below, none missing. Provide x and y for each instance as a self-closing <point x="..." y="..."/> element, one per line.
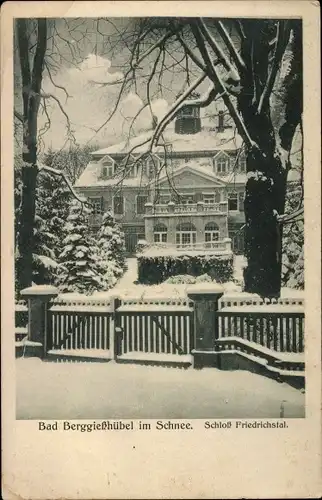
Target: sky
<point x="89" y="105"/>
<point x="83" y="51"/>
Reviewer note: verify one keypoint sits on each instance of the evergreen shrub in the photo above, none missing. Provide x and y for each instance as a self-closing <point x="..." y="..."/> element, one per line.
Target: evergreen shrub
<point x="156" y="269"/>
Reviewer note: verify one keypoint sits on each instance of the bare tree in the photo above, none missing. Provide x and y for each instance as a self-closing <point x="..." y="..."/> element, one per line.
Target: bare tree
<point x="32" y="38"/>
<point x="255" y="67"/>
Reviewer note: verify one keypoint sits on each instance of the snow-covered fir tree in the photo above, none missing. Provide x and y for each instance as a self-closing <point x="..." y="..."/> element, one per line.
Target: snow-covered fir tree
<point x="112" y="247"/>
<point x="80" y="267"/>
<point x="52" y="209"/>
<point x="293" y="243"/>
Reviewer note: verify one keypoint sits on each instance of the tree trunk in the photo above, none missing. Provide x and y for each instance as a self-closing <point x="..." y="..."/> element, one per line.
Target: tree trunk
<point x="263" y="234"/>
<point x="266" y="176"/>
<point x="28" y="210"/>
<point x="26" y="233"/>
<point x="31" y="87"/>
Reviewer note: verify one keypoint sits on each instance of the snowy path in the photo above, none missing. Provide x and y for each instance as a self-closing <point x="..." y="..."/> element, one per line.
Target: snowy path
<point x="107" y="390"/>
<point x="130" y="275"/>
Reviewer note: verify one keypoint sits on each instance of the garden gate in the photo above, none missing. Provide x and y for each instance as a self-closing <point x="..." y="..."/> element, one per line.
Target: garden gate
<point x="159" y="331"/>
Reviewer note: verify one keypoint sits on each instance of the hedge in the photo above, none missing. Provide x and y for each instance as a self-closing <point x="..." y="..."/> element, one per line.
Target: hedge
<point x="156" y="269"/>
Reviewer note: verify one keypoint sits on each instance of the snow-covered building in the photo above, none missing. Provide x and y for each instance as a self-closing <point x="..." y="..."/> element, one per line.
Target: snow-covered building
<point x="188" y="191"/>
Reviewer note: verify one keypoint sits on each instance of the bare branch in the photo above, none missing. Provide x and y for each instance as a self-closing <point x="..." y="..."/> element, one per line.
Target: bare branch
<point x="222" y="89"/>
<point x="51" y="96"/>
<point x="191" y="54"/>
<point x="18" y="115"/>
<point x="56" y="84"/>
<point x="24" y="63"/>
<point x="217" y="50"/>
<point x="174" y="109"/>
<point x="231" y="47"/>
<point x="157" y="44"/>
<point x="283" y="33"/>
<point x="54" y="171"/>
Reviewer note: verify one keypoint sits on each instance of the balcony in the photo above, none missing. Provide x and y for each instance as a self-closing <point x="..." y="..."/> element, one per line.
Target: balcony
<point x="214" y="247"/>
<point x="183" y="209"/>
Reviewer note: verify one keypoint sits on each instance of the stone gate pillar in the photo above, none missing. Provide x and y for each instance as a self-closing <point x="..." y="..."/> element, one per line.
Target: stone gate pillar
<point x="205" y="298"/>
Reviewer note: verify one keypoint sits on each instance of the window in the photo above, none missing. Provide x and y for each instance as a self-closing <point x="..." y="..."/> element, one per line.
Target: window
<point x="164" y="200"/>
<point x="209" y="199"/>
<point x="160" y="233"/>
<point x="160" y="237"/>
<point x="118" y="205"/>
<point x="222" y="165"/>
<point x="211" y="233"/>
<point x="133" y="171"/>
<point x="107" y="167"/>
<point x="95" y="218"/>
<point x="97" y="204"/>
<point x="233" y="201"/>
<point x="107" y="171"/>
<point x="186" y="235"/>
<point x="187" y="199"/>
<point x="242" y="164"/>
<point x="140" y="204"/>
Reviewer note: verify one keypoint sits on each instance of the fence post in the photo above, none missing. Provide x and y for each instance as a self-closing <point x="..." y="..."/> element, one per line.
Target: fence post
<point x="206" y="305"/>
<point x="38" y="297"/>
<point x="116" y="337"/>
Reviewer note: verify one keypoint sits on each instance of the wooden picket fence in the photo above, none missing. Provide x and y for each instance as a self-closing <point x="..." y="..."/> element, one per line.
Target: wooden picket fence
<point x="164" y="329"/>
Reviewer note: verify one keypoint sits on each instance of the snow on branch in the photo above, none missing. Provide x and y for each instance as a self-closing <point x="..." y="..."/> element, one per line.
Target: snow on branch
<point x="282" y="38"/>
<point x="191" y="54"/>
<point x="243" y="132"/>
<point x="231" y="47"/>
<point x="282" y="219"/>
<point x="179" y="103"/>
<point x="218" y="51"/>
<point x="54" y="171"/>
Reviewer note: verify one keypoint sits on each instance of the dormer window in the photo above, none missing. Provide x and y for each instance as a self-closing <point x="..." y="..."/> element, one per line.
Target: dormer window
<point x="107" y="167"/>
<point x="130" y="167"/>
<point x="221" y="163"/>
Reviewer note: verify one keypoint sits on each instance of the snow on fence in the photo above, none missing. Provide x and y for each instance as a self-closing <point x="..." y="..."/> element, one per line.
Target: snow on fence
<point x="247" y="299"/>
<point x="162" y="322"/>
<point x="276" y="327"/>
<point x="160" y="329"/>
<point x="80" y="324"/>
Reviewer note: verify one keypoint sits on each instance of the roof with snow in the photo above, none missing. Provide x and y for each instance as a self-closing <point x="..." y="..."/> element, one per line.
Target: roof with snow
<point x="206" y="140"/>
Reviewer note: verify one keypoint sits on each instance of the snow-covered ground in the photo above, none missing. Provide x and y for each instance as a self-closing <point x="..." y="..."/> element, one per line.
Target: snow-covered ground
<point x="130" y="275"/>
<point x="48" y="390"/>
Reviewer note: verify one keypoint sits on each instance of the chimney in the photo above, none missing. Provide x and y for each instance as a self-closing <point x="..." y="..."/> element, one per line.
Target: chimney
<point x="188" y="118"/>
<point x="221" y="126"/>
